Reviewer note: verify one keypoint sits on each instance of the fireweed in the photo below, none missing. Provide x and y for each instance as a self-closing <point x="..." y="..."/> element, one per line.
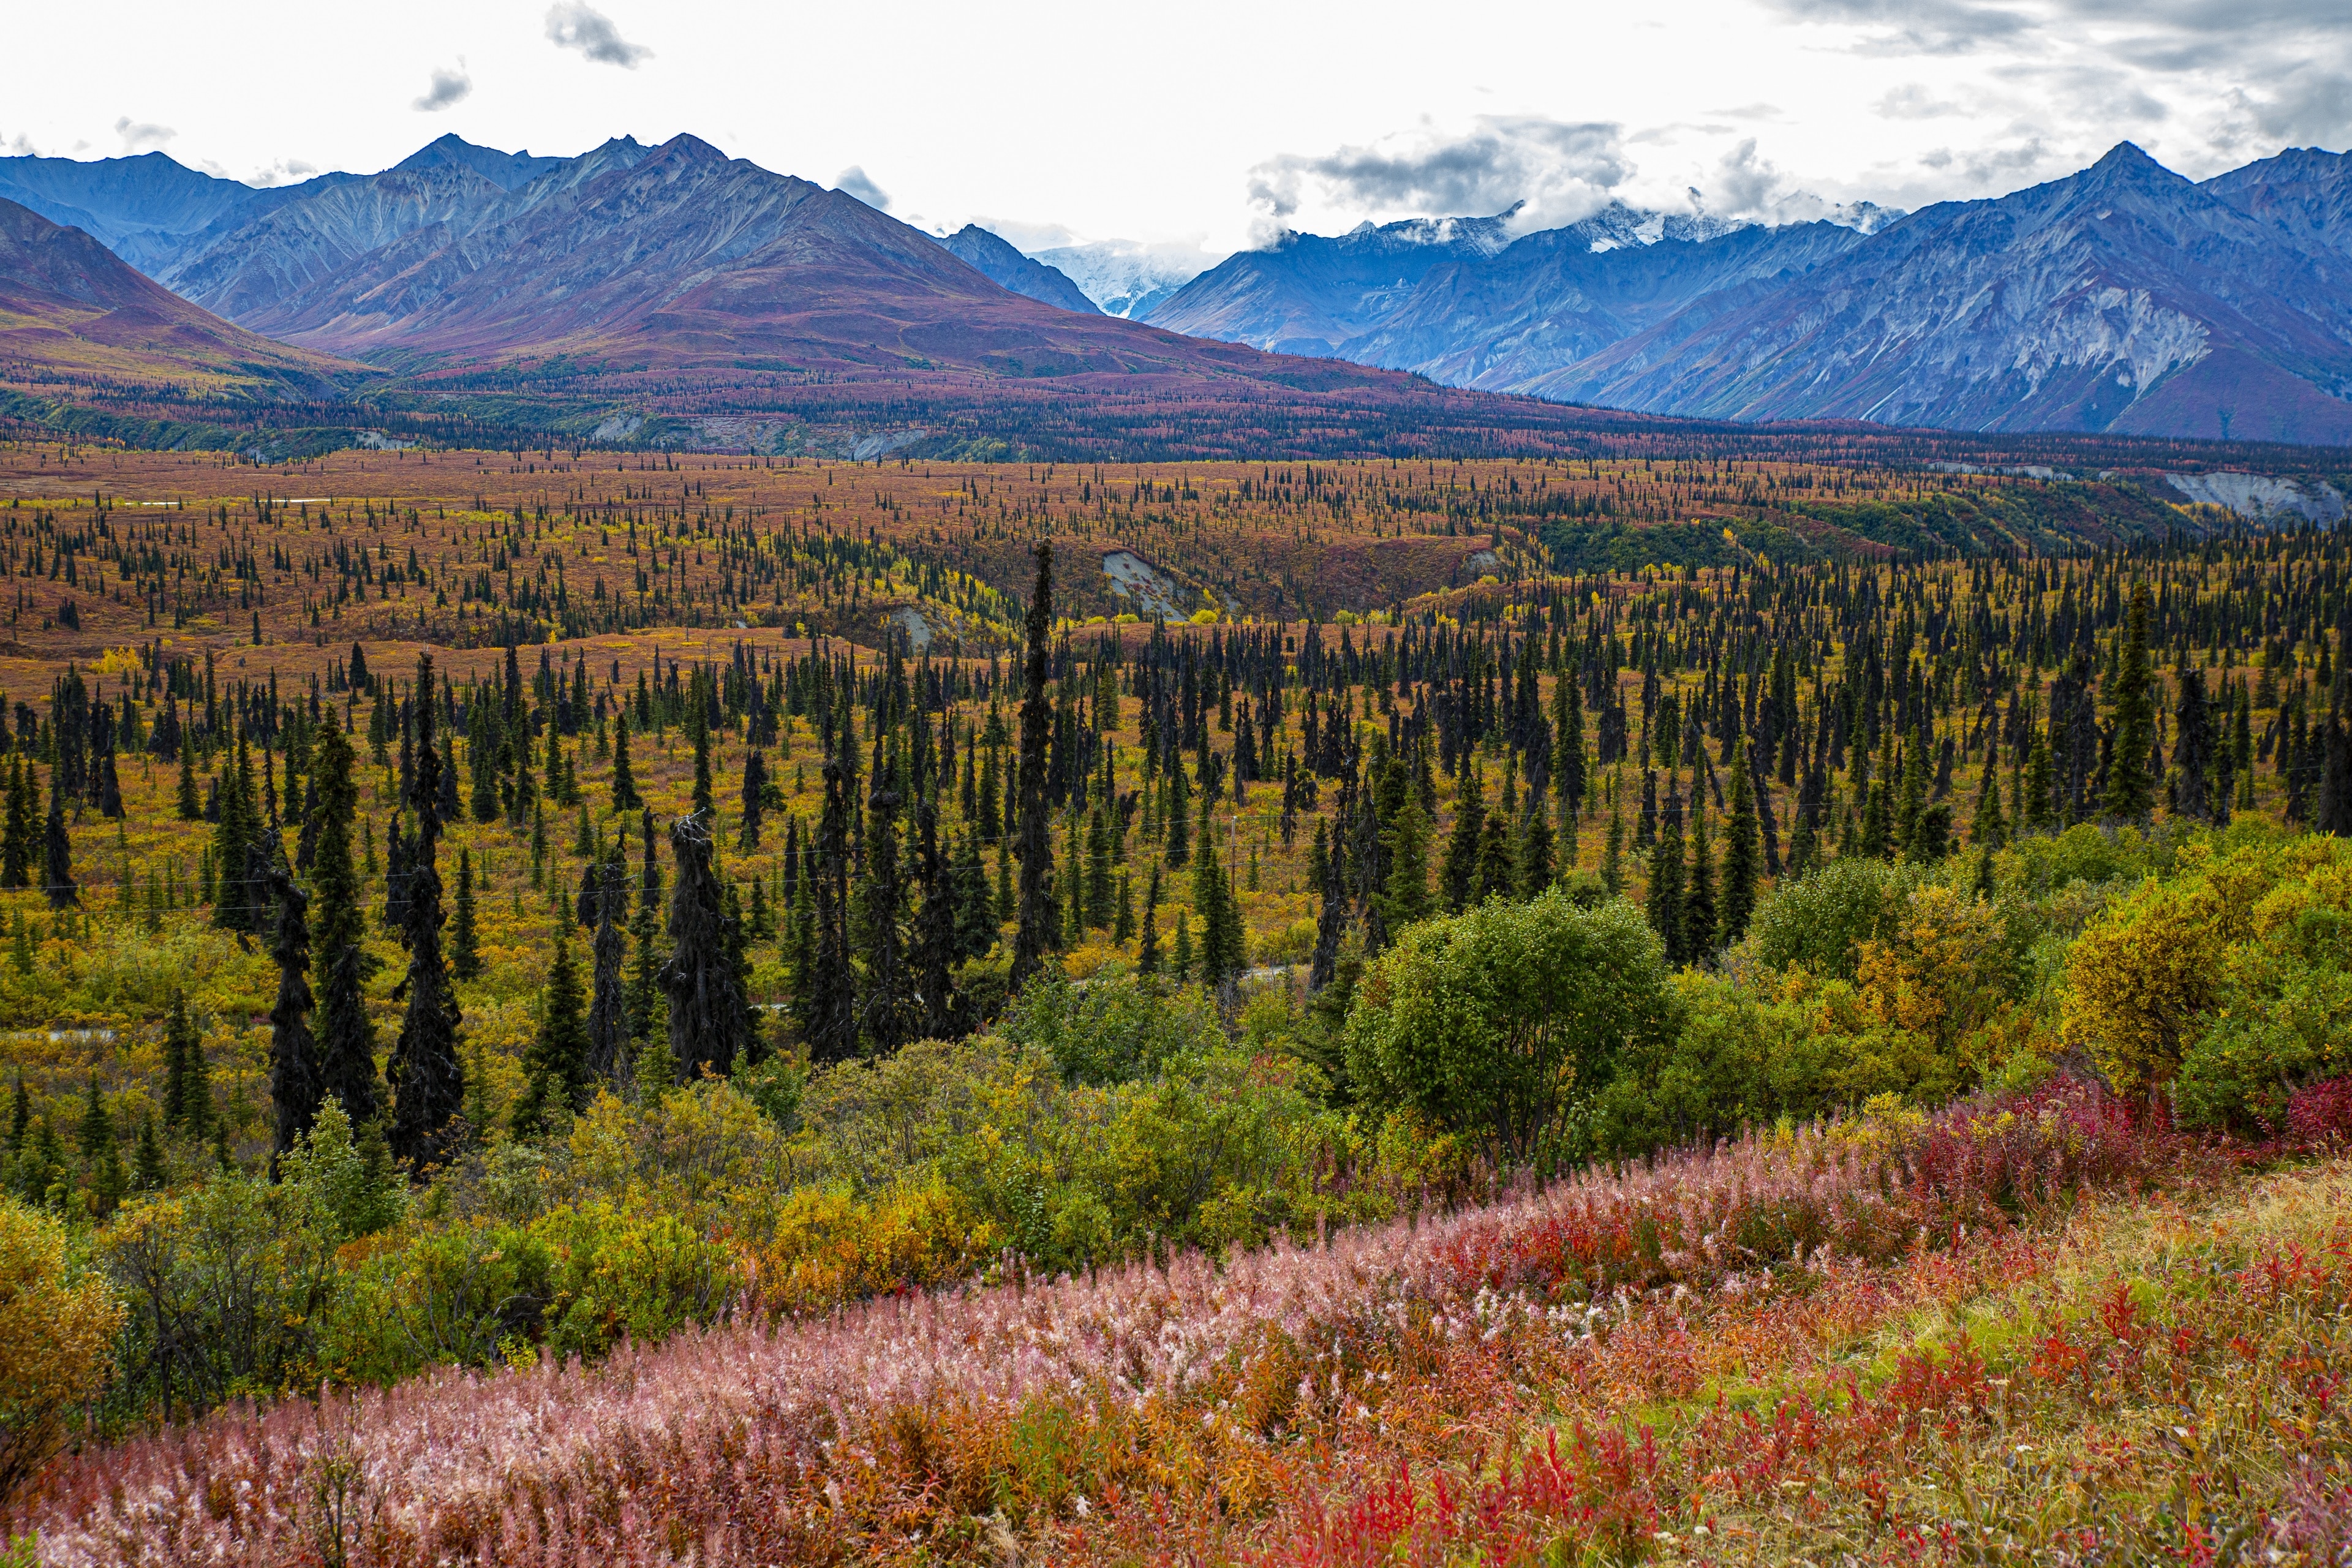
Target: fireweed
<point x="1087" y="1411"/>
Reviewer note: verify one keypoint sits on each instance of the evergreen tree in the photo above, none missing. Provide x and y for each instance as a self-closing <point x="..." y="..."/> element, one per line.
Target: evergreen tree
<point x="428" y="1076"/>
<point x="1740" y="866"/>
<point x="1404" y="844"/>
<point x="187" y="1081"/>
<point x="705" y="1004"/>
<point x="465" y="945"/>
<point x="1459" y="875"/>
<point x="1221" y="933"/>
<point x="192" y="808"/>
<point x="1612" y="852"/>
<point x="624" y="780"/>
<point x="755" y="802"/>
<point x="2131" y="792"/>
<point x="1877" y="841"/>
<point x="937" y="944"/>
<point x="890" y="1013"/>
<point x="1033" y="838"/>
<point x="1665" y="890"/>
<point x="608" y="1023"/>
<point x="555" y="1064"/>
<point x="1990" y="830"/>
<point x="1701" y="914"/>
<point x="697" y="732"/>
<point x="296" y="1083"/>
<point x="1146" y="953"/>
<point x="1911" y="797"/>
<point x="2034" y="804"/>
<point x="239" y="825"/>
<point x="57" y="870"/>
<point x="149" y="1171"/>
<point x="1498" y="874"/>
<point x="976" y="922"/>
<point x="1177" y="806"/>
<point x="16" y="850"/>
<point x="342" y="964"/>
<point x="2193" y="749"/>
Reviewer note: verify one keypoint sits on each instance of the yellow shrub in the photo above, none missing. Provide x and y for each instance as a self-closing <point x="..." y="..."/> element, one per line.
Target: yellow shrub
<point x="830" y="1245"/>
<point x="57" y="1325"/>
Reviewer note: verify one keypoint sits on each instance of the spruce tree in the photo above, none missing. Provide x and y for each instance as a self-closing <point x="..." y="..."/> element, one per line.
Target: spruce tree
<point x="1498" y="871"/>
<point x="296" y="1083"/>
<point x="57" y="863"/>
<point x="342" y="964"/>
<point x="1033" y="838"/>
<point x="239" y="825"/>
<point x="890" y="1012"/>
<point x="464" y="946"/>
<point x="191" y="805"/>
<point x="1404" y="843"/>
<point x="1740" y="866"/>
<point x="149" y="1171"/>
<point x="697" y="732"/>
<point x="1146" y="953"/>
<point x="2193" y="749"/>
<point x="428" y="1076"/>
<point x="706" y="1004"/>
<point x="1459" y="875"/>
<point x="936" y="943"/>
<point x="555" y="1064"/>
<point x="608" y="1022"/>
<point x="755" y="792"/>
<point x="1700" y="913"/>
<point x="624" y="780"/>
<point x="1664" y="897"/>
<point x="1990" y="830"/>
<point x="645" y="930"/>
<point x="2131" y="793"/>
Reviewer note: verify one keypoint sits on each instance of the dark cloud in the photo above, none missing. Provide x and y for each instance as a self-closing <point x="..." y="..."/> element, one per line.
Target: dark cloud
<point x="1561" y="169"/>
<point x="449" y="87"/>
<point x="577" y="25"/>
<point x="140" y="137"/>
<point x="855" y="182"/>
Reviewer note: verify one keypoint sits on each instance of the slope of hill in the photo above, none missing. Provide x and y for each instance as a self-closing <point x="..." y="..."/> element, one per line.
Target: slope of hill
<point x="1008" y="269"/>
<point x="70" y="307"/>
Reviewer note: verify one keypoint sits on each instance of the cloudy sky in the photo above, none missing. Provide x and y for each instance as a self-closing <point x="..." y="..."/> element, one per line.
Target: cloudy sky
<point x="1213" y="122"/>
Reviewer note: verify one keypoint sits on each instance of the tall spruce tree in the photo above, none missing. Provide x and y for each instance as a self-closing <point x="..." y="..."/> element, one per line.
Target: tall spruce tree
<point x="608" y="1022"/>
<point x="624" y="778"/>
<point x="1665" y="895"/>
<point x="1459" y="874"/>
<point x="1740" y="868"/>
<point x="556" y="1078"/>
<point x="465" y="943"/>
<point x="1033" y="837"/>
<point x="2131" y="791"/>
<point x="428" y="1076"/>
<point x="57" y="860"/>
<point x="706" y="1004"/>
<point x="296" y="1083"/>
<point x="343" y="966"/>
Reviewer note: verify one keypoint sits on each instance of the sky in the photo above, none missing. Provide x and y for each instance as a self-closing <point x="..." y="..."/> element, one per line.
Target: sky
<point x="1216" y="124"/>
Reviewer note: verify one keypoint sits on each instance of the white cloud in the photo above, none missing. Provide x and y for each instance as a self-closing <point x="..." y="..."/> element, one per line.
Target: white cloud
<point x="1555" y="172"/>
<point x="448" y="87"/>
<point x="141" y="137"/>
<point x="577" y="25"/>
<point x="854" y="181"/>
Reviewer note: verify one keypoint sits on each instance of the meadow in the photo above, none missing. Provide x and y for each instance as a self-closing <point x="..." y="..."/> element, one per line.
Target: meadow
<point x="1594" y="1009"/>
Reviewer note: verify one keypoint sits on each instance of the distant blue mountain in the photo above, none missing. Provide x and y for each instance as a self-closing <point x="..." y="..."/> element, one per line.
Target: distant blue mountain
<point x="1008" y="269"/>
<point x="2123" y="298"/>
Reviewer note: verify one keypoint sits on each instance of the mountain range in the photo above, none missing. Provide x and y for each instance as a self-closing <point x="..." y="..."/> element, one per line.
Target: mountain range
<point x="627" y="256"/>
<point x="2123" y="298"/>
